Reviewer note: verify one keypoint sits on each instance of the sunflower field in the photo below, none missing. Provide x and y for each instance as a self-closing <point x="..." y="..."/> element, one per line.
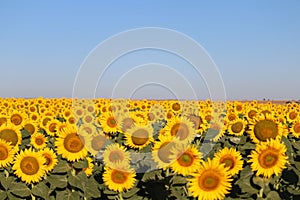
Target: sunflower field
<point x="64" y="148"/>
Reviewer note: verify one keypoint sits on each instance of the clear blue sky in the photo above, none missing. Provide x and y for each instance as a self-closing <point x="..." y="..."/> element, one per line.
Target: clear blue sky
<point x="255" y="44"/>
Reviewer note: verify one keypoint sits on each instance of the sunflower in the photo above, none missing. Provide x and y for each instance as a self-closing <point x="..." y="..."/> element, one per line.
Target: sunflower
<point x="29" y="166"/>
<point x="7" y="153"/>
<point x="212" y="181"/>
<point x="127" y="122"/>
<point x="89" y="170"/>
<point x="96" y="143"/>
<point x="120" y="178"/>
<point x="139" y="136"/>
<point x="70" y="145"/>
<point x="51" y="127"/>
<point x="199" y="124"/>
<point x="295" y="129"/>
<point x="292" y="115"/>
<point x="237" y="127"/>
<point x="109" y="123"/>
<point x="38" y="140"/>
<point x="87" y="129"/>
<point x="115" y="153"/>
<point x="264" y="127"/>
<point x="11" y="134"/>
<point x="161" y="151"/>
<point x="268" y="158"/>
<point x="186" y="159"/>
<point x="17" y="118"/>
<point x="3" y="119"/>
<point x="231" y="158"/>
<point x="251" y="113"/>
<point x="30" y="126"/>
<point x="182" y="128"/>
<point x="51" y="159"/>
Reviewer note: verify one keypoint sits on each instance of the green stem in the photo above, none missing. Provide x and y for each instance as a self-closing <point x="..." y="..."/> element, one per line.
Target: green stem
<point x="261" y="191"/>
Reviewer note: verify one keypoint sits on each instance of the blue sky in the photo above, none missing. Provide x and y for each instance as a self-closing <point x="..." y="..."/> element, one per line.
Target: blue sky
<point x="255" y="44"/>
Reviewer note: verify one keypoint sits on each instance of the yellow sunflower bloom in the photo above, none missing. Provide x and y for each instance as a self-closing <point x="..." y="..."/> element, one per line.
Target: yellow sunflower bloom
<point x="115" y="153"/>
<point x="7" y="153"/>
<point x="161" y="151"/>
<point x="182" y="128"/>
<point x="236" y="127"/>
<point x="95" y="143"/>
<point x="38" y="140"/>
<point x="70" y="145"/>
<point x="11" y="134"/>
<point x="186" y="159"/>
<point x="110" y="123"/>
<point x="264" y="127"/>
<point x="268" y="158"/>
<point x="295" y="129"/>
<point x="119" y="179"/>
<point x="211" y="182"/>
<point x="89" y="170"/>
<point x="29" y="166"/>
<point x="51" y="159"/>
<point x="231" y="158"/>
<point x="139" y="136"/>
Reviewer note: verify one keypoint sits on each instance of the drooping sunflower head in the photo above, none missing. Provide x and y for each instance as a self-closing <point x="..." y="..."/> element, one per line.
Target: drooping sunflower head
<point x="38" y="140"/>
<point x="268" y="158"/>
<point x="264" y="127"/>
<point x="231" y="158"/>
<point x="51" y="159"/>
<point x="70" y="144"/>
<point x="212" y="181"/>
<point x="7" y="153"/>
<point x="120" y="178"/>
<point x="186" y="159"/>
<point x="115" y="153"/>
<point x="29" y="166"/>
<point x="139" y="136"/>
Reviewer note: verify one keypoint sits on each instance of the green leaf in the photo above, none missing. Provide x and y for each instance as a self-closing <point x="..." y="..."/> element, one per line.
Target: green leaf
<point x="152" y="175"/>
<point x="6" y="181"/>
<point x="20" y="189"/>
<point x="3" y="194"/>
<point x="67" y="195"/>
<point x="91" y="189"/>
<point x="41" y="190"/>
<point x="25" y="133"/>
<point x="81" y="164"/>
<point x="109" y="192"/>
<point x="244" y="181"/>
<point x="57" y="181"/>
<point x="76" y="182"/>
<point x="289" y="149"/>
<point x="61" y="167"/>
<point x="10" y="196"/>
<point x="178" y="180"/>
<point x="273" y="195"/>
<point x="130" y="193"/>
<point x="258" y="181"/>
